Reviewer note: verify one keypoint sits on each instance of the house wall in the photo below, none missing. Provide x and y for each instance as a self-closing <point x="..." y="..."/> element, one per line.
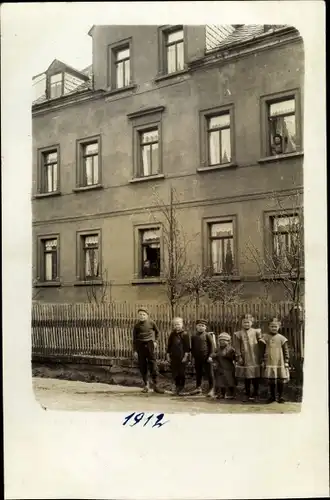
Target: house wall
<point x="243" y="191"/>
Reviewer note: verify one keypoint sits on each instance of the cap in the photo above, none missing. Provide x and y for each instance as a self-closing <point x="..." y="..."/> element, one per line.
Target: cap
<point x="142" y="309"/>
<point x="275" y="320"/>
<point x="201" y="322"/>
<point x="248" y="317"/>
<point x="224" y="336"/>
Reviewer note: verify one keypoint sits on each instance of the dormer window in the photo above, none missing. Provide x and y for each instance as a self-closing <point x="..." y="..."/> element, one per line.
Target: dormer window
<point x="56" y="85"/>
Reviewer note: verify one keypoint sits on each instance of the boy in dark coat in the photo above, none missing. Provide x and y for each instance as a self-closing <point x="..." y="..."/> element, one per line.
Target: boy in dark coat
<point x="178" y="348"/>
<point x="145" y="336"/>
<point x="224" y="359"/>
<point x="202" y="348"/>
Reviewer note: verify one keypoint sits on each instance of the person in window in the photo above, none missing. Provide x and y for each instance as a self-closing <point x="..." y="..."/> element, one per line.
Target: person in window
<point x="145" y="336"/>
<point x="247" y="344"/>
<point x="277" y="148"/>
<point x="178" y="349"/>
<point x="146" y="268"/>
<point x="202" y="348"/>
<point x="275" y="360"/>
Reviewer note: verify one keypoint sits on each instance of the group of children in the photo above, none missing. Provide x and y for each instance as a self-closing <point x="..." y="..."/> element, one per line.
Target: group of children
<point x="249" y="356"/>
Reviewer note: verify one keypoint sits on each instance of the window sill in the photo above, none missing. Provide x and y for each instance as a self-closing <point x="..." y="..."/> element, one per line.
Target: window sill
<point x="282" y="276"/>
<point x="47" y="195"/>
<point x="147" y="281"/>
<point x="216" y="167"/>
<point x="147" y="178"/>
<point x="167" y="76"/>
<point x="87" y="188"/>
<point x="46" y="284"/>
<point x="233" y="277"/>
<point x="269" y="159"/>
<point x="115" y="91"/>
<point x="88" y="283"/>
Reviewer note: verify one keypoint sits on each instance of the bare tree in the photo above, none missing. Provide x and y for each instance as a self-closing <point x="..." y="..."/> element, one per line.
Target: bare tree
<point x="100" y="291"/>
<point x="176" y="265"/>
<point x="282" y="260"/>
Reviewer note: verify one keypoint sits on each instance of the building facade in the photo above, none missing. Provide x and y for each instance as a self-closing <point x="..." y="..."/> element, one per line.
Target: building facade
<point x="214" y="112"/>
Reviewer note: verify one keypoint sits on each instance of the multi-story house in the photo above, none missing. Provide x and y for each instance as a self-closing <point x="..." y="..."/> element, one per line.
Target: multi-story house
<point x="216" y="112"/>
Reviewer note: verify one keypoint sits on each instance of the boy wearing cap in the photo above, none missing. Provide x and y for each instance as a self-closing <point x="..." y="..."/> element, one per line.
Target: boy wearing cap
<point x="247" y="344"/>
<point x="224" y="359"/>
<point x="202" y="349"/>
<point x="145" y="336"/>
<point x="178" y="348"/>
<point x="275" y="360"/>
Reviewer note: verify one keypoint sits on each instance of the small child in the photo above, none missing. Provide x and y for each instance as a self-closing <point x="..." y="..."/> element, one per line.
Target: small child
<point x="224" y="359"/>
<point x="145" y="336"/>
<point x="246" y="343"/>
<point x="202" y="348"/>
<point x="178" y="348"/>
<point x="275" y="360"/>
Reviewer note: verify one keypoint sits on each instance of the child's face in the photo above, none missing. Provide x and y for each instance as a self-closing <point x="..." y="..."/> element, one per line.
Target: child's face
<point x="142" y="315"/>
<point x="274" y="328"/>
<point x="201" y="327"/>
<point x="246" y="324"/>
<point x="178" y="325"/>
<point x="223" y="342"/>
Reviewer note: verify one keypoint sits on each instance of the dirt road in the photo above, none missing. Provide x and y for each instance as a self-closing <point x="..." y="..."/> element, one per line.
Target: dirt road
<point x="56" y="394"/>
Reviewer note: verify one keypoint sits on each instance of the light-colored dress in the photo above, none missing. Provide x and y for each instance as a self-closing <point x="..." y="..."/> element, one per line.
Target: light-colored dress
<point x="247" y="346"/>
<point x="275" y="356"/>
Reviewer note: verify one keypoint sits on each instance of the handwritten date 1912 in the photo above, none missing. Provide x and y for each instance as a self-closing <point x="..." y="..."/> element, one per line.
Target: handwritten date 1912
<point x="154" y="420"/>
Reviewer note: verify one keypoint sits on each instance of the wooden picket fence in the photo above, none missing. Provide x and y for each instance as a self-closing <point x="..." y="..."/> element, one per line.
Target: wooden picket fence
<point x="106" y="329"/>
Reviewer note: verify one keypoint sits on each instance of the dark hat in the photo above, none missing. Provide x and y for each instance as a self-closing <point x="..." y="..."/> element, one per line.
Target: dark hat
<point x="143" y="309"/>
<point x="201" y="322"/>
<point x="248" y="316"/>
<point x="275" y="320"/>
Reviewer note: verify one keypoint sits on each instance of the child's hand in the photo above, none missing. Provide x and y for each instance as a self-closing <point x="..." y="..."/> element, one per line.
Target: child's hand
<point x="135" y="355"/>
<point x="240" y="361"/>
<point x="168" y="357"/>
<point x="185" y="358"/>
<point x="156" y="346"/>
<point x="210" y="360"/>
<point x="286" y="365"/>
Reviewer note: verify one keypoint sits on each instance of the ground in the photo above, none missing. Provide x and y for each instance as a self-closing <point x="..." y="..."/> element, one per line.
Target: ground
<point x="54" y="394"/>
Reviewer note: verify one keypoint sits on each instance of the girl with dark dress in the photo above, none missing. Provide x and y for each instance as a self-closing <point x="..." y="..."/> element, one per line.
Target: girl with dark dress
<point x="178" y="348"/>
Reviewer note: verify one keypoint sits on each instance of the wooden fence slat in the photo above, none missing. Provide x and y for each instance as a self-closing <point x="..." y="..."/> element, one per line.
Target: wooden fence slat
<point x="106" y="329"/>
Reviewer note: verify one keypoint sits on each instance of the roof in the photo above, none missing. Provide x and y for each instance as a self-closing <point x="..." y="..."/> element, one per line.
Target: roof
<point x="220" y="36"/>
<point x="86" y="73"/>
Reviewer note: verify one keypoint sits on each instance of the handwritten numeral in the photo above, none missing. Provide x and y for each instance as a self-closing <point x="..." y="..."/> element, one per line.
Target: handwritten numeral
<point x="138" y="417"/>
<point x="159" y="419"/>
<point x="128" y="418"/>
<point x="148" y="420"/>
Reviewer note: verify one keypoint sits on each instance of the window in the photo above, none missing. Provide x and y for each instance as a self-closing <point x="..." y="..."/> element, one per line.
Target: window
<point x="49" y="261"/>
<point x="217" y="137"/>
<point x="174" y="46"/>
<point x="149" y="158"/>
<point x="287" y="242"/>
<point x="282" y="127"/>
<point x="56" y="85"/>
<point x="90" y="262"/>
<point x="150" y="253"/>
<point x="122" y="67"/>
<point x="49" y="174"/>
<point x="219" y="146"/>
<point x="90" y="154"/>
<point x="147" y="143"/>
<point x="47" y="256"/>
<point x="88" y="163"/>
<point x="221" y="236"/>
